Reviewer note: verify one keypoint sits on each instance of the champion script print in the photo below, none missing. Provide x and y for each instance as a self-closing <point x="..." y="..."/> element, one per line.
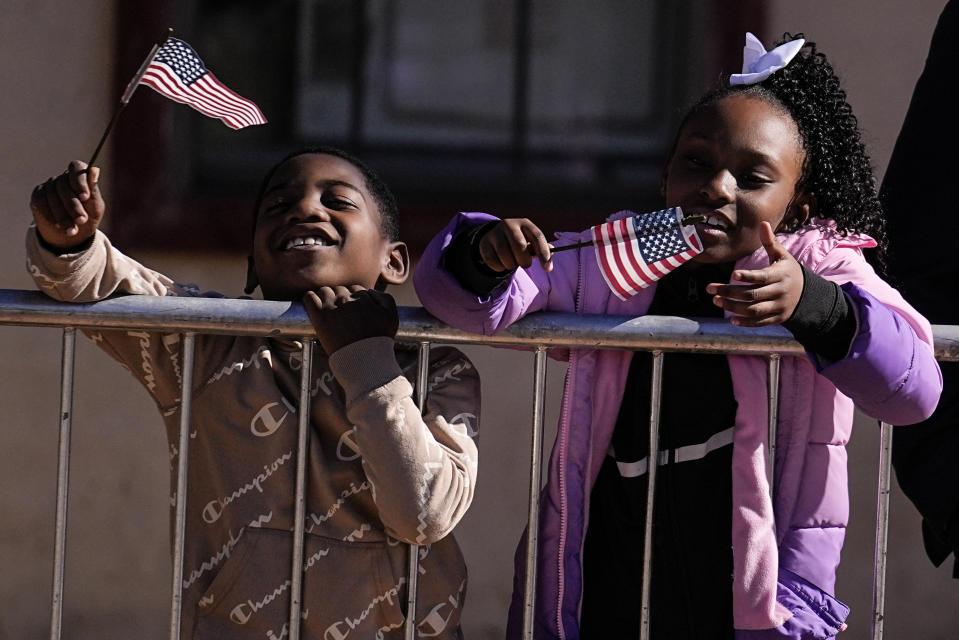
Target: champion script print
<point x="241" y="507"/>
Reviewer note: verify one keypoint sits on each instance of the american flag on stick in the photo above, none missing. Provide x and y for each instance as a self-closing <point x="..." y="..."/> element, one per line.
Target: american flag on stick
<point x="635" y="251"/>
<point x="177" y="72"/>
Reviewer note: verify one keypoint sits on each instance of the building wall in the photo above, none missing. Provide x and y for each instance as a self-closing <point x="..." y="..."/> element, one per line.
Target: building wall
<point x="56" y="69"/>
<point x="57" y="79"/>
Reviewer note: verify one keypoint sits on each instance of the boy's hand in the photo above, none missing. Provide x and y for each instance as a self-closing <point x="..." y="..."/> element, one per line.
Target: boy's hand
<point x="342" y="315"/>
<point x="773" y="296"/>
<point x="68" y="209"/>
<point x="513" y="243"/>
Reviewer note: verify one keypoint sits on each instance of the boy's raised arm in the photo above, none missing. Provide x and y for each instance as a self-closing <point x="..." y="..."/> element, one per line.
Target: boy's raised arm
<point x="68" y="258"/>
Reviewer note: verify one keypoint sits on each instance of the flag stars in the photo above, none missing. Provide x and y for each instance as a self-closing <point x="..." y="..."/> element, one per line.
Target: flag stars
<point x="658" y="236"/>
<point x="182" y="59"/>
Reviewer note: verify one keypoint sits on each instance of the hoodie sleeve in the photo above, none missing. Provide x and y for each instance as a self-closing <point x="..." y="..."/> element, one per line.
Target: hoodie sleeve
<point x="100" y="271"/>
<point x="93" y="274"/>
<point x="422" y="466"/>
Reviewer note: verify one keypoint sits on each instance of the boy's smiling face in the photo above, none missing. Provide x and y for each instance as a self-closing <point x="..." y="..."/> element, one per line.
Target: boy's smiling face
<point x="317" y="225"/>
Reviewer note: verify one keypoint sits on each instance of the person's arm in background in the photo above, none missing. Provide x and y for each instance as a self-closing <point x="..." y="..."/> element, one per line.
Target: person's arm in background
<point x="921" y="208"/>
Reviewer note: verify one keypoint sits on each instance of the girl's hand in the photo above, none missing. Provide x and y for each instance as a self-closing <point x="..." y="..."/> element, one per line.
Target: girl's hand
<point x="775" y="291"/>
<point x="68" y="209"/>
<point x="343" y="315"/>
<point x="513" y="243"/>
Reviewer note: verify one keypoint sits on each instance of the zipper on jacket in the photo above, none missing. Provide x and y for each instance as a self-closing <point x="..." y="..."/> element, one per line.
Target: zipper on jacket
<point x="563" y="440"/>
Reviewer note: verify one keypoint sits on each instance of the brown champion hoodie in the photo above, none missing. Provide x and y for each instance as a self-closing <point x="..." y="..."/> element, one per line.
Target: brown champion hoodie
<point x="380" y="473"/>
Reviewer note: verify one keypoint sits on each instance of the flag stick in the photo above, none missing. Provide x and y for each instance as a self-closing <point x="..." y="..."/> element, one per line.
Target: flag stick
<point x="684" y="222"/>
<point x="128" y="93"/>
<point x="570" y="246"/>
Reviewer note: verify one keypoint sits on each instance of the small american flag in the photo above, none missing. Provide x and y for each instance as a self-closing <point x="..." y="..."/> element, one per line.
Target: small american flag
<point x="178" y="73"/>
<point x="637" y="250"/>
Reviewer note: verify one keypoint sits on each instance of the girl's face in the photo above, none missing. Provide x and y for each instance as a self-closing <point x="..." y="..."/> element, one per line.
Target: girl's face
<point x="736" y="162"/>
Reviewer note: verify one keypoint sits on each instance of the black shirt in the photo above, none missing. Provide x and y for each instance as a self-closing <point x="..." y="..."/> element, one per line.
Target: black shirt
<point x="691" y="578"/>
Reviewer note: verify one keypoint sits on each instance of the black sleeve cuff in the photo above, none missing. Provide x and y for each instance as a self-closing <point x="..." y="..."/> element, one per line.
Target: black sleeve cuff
<point x="823" y="322"/>
<point x="462" y="260"/>
<point x="80" y="248"/>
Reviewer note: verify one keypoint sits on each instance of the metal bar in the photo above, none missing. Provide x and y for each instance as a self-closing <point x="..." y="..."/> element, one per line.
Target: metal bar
<point x="773" y="381"/>
<point x="535" y="480"/>
<point x="551" y="329"/>
<point x="29" y="308"/>
<point x="413" y="560"/>
<point x="655" y="395"/>
<point x="882" y="531"/>
<point x="68" y="356"/>
<point x="299" y="500"/>
<point x="183" y="462"/>
<point x="274" y="318"/>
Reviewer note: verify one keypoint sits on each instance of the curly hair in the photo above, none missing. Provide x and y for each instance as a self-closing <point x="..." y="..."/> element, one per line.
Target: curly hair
<point x="836" y="171"/>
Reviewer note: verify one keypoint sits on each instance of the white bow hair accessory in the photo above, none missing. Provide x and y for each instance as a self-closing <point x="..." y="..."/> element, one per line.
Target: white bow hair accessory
<point x="758" y="64"/>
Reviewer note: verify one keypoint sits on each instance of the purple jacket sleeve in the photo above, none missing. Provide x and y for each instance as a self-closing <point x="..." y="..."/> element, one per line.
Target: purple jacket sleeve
<point x="889" y="372"/>
<point x="445" y="298"/>
<point x="815" y="614"/>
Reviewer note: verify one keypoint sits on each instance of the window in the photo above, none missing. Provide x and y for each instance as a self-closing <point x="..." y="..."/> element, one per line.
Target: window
<point x="561" y="111"/>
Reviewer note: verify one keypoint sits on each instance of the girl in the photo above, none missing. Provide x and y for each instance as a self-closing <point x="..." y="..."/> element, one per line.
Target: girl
<point x="775" y="165"/>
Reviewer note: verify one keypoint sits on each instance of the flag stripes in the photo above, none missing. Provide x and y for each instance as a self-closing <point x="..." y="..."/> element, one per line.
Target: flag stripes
<point x="637" y="250"/>
<point x="178" y="73"/>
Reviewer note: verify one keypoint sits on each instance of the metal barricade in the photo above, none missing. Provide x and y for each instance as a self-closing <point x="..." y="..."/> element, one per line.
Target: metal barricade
<point x="191" y="316"/>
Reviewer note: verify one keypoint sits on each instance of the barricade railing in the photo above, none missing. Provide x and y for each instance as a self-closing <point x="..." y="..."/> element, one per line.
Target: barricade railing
<point x="539" y="332"/>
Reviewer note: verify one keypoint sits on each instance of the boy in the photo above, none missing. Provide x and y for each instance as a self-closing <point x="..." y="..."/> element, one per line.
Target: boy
<point x="379" y="472"/>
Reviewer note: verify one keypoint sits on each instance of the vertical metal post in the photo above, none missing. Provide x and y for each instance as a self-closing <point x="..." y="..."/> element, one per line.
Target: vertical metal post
<point x="299" y="500"/>
<point x="413" y="561"/>
<point x="535" y="479"/>
<point x="67" y="357"/>
<point x="655" y="395"/>
<point x="882" y="529"/>
<point x="773" y="380"/>
<point x="183" y="462"/>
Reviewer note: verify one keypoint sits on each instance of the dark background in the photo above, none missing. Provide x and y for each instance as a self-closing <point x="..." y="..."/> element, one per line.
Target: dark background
<point x="560" y="111"/>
